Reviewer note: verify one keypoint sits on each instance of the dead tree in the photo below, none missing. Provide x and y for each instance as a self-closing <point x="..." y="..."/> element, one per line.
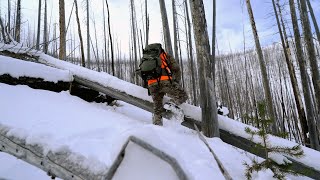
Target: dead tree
<point x="175" y="29"/>
<point x="110" y="38"/>
<point x="314" y="70"/>
<point x="3" y="32"/>
<point x="104" y="38"/>
<point x="83" y="62"/>
<point x="62" y="26"/>
<point x="9" y="17"/>
<point x="45" y="29"/>
<point x="88" y="35"/>
<point x="39" y="25"/>
<point x="18" y="22"/>
<point x="210" y="126"/>
<point x="213" y="42"/>
<point x="265" y="80"/>
<point x="189" y="44"/>
<point x="134" y="35"/>
<point x="147" y="21"/>
<point x="293" y="78"/>
<point x="314" y="20"/>
<point x="165" y="26"/>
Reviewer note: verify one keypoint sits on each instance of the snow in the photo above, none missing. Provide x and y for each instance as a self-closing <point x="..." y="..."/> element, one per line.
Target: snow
<point x="15" y="169"/>
<point x="17" y="68"/>
<point x="143" y="165"/>
<point x="98" y="132"/>
<point x="311" y="158"/>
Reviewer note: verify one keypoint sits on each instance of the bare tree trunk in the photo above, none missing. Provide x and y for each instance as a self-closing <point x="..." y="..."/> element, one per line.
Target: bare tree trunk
<point x="88" y="36"/>
<point x="9" y="17"/>
<point x="3" y="31"/>
<point x="39" y="25"/>
<point x="95" y="34"/>
<point x="293" y="78"/>
<point x="62" y="25"/>
<point x="314" y="70"/>
<point x="18" y="22"/>
<point x="165" y="26"/>
<point x="147" y="21"/>
<point x="213" y="42"/>
<point x="45" y="33"/>
<point x="110" y="37"/>
<point x="175" y="29"/>
<point x="210" y="126"/>
<point x="83" y="62"/>
<point x="105" y="37"/>
<point x="314" y="20"/>
<point x="134" y="36"/>
<point x="192" y="68"/>
<point x="263" y="68"/>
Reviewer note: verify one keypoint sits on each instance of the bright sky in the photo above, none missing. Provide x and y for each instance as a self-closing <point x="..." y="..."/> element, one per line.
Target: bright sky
<point x="231" y="18"/>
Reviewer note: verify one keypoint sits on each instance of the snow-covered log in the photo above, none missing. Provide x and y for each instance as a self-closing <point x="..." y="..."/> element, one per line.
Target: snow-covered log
<point x="60" y="163"/>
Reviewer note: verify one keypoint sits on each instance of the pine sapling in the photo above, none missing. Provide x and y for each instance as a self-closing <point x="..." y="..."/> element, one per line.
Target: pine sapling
<point x="275" y="161"/>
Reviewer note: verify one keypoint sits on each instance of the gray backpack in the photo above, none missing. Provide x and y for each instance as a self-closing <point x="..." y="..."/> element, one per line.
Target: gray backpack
<point x="150" y="66"/>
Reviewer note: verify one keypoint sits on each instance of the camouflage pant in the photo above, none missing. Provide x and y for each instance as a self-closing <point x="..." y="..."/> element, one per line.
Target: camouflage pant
<point x="157" y="91"/>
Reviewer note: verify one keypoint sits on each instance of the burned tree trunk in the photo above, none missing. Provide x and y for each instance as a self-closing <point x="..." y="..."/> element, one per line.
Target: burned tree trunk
<point x="210" y="126"/>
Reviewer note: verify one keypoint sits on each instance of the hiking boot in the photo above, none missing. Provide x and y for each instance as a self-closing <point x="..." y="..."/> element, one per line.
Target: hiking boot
<point x="157" y="121"/>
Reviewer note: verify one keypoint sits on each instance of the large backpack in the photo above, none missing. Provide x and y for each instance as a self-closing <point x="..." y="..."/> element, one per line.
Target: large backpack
<point x="150" y="66"/>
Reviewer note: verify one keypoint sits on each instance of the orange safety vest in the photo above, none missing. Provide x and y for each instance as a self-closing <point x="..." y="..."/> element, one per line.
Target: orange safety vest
<point x="164" y="65"/>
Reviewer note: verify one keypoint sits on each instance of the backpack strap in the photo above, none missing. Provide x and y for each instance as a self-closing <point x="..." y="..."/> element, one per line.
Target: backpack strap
<point x="166" y="65"/>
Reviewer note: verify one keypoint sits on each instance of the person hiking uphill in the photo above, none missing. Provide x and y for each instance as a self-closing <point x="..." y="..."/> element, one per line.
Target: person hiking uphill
<point x="162" y="79"/>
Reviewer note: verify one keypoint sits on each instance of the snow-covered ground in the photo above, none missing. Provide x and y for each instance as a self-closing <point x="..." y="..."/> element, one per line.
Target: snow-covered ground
<point x="98" y="131"/>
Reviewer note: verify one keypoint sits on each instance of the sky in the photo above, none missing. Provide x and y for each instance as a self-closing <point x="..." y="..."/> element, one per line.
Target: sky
<point x="232" y="18"/>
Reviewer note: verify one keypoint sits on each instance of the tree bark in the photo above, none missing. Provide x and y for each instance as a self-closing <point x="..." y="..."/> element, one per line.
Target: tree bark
<point x="165" y="26"/>
<point x="62" y="26"/>
<point x="293" y="78"/>
<point x="9" y="17"/>
<point x="83" y="62"/>
<point x="88" y="36"/>
<point x="263" y="68"/>
<point x="175" y="29"/>
<point x="134" y="37"/>
<point x="314" y="70"/>
<point x="314" y="20"/>
<point x="45" y="33"/>
<point x="147" y="21"/>
<point x="3" y="31"/>
<point x="213" y="42"/>
<point x="210" y="126"/>
<point x="39" y="25"/>
<point x="18" y="22"/>
<point x="192" y="68"/>
<point x="110" y="37"/>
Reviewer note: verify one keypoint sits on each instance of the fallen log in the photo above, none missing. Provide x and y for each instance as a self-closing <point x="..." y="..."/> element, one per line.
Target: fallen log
<point x="56" y="164"/>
